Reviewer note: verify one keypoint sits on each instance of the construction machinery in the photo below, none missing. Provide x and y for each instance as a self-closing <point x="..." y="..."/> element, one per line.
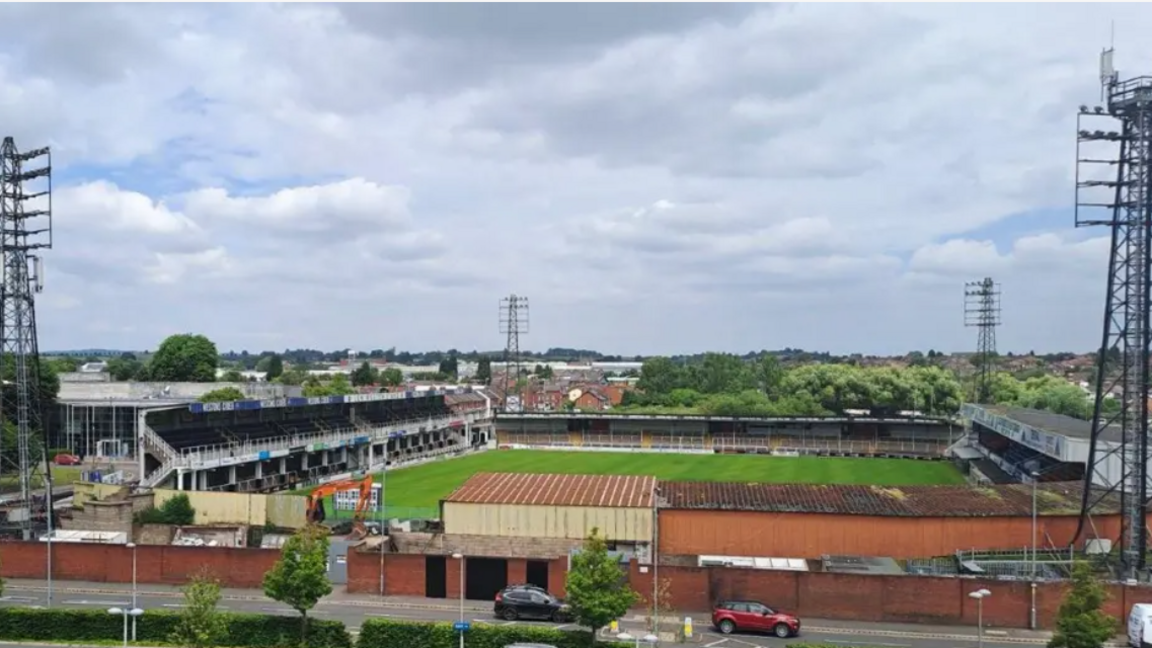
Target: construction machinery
<point x="315" y="508"/>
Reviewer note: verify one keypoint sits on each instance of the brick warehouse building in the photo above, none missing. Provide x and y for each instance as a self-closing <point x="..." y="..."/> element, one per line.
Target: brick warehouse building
<point x="808" y="521"/>
<point x="511" y="528"/>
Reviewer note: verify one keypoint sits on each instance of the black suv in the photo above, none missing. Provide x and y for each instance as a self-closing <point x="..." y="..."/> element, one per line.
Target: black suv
<point x="530" y="602"/>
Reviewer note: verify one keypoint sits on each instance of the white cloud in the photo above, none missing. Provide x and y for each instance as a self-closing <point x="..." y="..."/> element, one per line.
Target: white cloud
<point x="655" y="178"/>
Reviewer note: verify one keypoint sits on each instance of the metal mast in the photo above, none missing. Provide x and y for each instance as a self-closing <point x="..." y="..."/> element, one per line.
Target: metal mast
<point x="982" y="310"/>
<point x="1113" y="189"/>
<point x="513" y="324"/>
<point x="25" y="227"/>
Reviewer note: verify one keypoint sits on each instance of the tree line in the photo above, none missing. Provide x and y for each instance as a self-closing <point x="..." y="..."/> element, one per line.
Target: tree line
<point x="728" y="385"/>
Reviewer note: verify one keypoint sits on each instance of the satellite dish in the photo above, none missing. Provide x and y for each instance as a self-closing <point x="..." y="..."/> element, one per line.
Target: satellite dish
<point x="575" y="394"/>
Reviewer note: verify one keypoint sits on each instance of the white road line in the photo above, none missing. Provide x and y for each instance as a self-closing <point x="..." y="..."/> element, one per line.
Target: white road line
<point x="870" y="643"/>
<point x="20" y="599"/>
<point x="715" y="643"/>
<point x="565" y="626"/>
<point x="508" y="623"/>
<point x="174" y="605"/>
<point x="85" y="602"/>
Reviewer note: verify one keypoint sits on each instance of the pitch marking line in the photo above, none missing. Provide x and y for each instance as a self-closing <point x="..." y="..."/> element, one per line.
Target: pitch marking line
<point x="715" y="643"/>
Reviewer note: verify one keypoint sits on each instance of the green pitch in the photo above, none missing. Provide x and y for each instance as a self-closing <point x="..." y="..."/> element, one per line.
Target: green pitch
<point x="425" y="485"/>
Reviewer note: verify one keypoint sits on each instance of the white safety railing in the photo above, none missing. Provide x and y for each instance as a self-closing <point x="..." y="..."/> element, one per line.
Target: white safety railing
<point x="194" y="457"/>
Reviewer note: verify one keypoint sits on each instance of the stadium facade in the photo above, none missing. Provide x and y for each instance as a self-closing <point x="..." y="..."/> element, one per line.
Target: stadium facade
<point x="278" y="443"/>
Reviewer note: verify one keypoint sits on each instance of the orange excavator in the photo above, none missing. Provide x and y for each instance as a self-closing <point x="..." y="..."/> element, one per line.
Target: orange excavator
<point x="315" y="508"/>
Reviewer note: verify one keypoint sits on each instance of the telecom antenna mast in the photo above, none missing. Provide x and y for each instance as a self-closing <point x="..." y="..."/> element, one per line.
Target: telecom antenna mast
<point x="25" y="228"/>
<point x="982" y="310"/>
<point x="1113" y="189"/>
<point x="513" y="324"/>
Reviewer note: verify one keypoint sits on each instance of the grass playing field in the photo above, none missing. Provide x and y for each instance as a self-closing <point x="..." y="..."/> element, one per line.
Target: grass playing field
<point x="425" y="485"/>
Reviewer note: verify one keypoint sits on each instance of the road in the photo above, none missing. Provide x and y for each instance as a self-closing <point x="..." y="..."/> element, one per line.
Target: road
<point x="352" y="610"/>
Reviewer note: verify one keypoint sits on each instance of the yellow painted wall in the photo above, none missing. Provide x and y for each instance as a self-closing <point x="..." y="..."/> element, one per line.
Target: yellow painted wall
<point x="286" y="510"/>
<point x="573" y="522"/>
<point x="84" y="491"/>
<point x="222" y="508"/>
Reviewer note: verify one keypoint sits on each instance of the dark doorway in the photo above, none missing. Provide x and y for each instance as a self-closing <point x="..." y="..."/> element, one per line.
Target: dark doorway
<point x="436" y="576"/>
<point x="538" y="573"/>
<point x="484" y="577"/>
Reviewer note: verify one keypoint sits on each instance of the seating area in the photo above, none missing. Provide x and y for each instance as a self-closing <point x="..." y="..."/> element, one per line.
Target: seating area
<point x="185" y="432"/>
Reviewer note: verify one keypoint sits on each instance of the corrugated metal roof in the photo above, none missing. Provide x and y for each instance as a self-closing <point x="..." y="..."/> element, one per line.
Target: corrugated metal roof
<point x="610" y="491"/>
<point x="1061" y="498"/>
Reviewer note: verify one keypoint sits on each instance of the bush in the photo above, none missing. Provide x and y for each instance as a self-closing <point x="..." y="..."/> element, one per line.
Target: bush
<point x="177" y="510"/>
<point x="382" y="633"/>
<point x="155" y="628"/>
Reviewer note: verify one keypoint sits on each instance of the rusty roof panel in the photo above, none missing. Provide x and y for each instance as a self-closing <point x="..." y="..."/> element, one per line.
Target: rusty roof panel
<point x="1058" y="498"/>
<point x="608" y="491"/>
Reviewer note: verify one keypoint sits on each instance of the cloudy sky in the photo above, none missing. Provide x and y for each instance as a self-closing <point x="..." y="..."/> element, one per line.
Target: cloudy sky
<point x="655" y="178"/>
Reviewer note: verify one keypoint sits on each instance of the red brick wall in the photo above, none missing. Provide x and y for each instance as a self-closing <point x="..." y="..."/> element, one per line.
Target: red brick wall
<point x="404" y="574"/>
<point x="154" y="564"/>
<point x="906" y="599"/>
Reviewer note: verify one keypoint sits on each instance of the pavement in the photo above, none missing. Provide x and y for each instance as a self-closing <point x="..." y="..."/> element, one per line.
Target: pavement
<point x="353" y="609"/>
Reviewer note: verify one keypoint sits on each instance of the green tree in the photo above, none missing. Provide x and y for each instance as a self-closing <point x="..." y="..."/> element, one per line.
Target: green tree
<point x="123" y="369"/>
<point x="200" y="624"/>
<point x="365" y="375"/>
<point x="391" y="376"/>
<point x="660" y="375"/>
<point x="484" y="370"/>
<point x="449" y="366"/>
<point x="300" y="578"/>
<point x="1080" y="622"/>
<point x="597" y="587"/>
<point x="222" y="395"/>
<point x="63" y="365"/>
<point x="232" y="376"/>
<point x="293" y="376"/>
<point x="185" y="358"/>
<point x="769" y="373"/>
<point x="544" y="372"/>
<point x="275" y="367"/>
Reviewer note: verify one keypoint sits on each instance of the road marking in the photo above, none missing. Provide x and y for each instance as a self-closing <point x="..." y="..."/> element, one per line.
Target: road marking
<point x="870" y="643"/>
<point x="508" y="623"/>
<point x="20" y="599"/>
<point x="565" y="626"/>
<point x="715" y="643"/>
<point x="85" y="602"/>
<point x="174" y="605"/>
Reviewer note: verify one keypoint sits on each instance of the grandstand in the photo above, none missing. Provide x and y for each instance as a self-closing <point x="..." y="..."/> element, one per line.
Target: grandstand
<point x="838" y="436"/>
<point x="1010" y="444"/>
<point x="272" y="444"/>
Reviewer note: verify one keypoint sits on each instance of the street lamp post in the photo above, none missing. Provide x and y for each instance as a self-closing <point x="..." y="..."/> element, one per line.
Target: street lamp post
<point x="126" y="612"/>
<point x="980" y="595"/>
<point x="1032" y="611"/>
<point x="460" y="557"/>
<point x="132" y="546"/>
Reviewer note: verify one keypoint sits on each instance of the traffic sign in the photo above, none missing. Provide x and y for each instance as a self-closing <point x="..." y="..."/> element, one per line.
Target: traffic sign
<point x="461" y="626"/>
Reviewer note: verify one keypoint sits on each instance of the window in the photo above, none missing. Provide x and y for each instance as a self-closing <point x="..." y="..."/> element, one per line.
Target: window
<point x="756" y="608"/>
<point x="539" y="599"/>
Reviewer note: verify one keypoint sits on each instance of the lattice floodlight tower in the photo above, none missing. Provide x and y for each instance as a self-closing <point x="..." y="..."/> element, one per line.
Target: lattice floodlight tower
<point x="1113" y="190"/>
<point x="982" y="310"/>
<point x="513" y="324"/>
<point x="25" y="228"/>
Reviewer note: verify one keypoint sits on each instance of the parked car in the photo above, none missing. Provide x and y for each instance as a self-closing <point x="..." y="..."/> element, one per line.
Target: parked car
<point x="753" y="616"/>
<point x="64" y="459"/>
<point x="530" y="602"/>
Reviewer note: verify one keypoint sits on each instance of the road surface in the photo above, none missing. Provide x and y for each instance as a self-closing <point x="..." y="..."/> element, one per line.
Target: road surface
<point x="352" y="610"/>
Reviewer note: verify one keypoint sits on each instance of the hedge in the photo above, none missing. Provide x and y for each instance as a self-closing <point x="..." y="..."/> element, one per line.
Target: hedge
<point x="244" y="630"/>
<point x="383" y="633"/>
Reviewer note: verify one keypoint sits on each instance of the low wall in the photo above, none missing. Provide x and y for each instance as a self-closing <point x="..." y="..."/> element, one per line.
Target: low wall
<point x="154" y="564"/>
<point x="892" y="599"/>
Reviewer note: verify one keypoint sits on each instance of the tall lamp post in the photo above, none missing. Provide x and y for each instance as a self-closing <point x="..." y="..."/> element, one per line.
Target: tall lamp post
<point x="126" y="612"/>
<point x="980" y="595"/>
<point x="460" y="557"/>
<point x="132" y="546"/>
<point x="1032" y="611"/>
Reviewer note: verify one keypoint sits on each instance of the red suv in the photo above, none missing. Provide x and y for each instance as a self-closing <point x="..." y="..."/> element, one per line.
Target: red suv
<point x="750" y="616"/>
